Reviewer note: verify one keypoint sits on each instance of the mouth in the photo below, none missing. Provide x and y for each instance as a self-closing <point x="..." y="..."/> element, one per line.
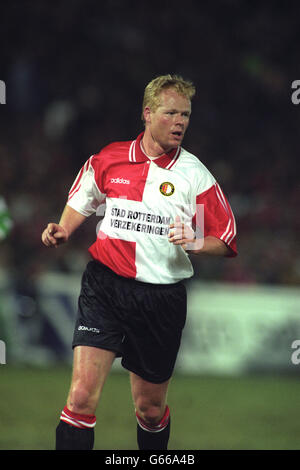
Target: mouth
<point x="177" y="134"/>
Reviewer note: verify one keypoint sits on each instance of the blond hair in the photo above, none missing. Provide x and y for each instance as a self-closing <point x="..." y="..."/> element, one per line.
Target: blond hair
<point x="164" y="82"/>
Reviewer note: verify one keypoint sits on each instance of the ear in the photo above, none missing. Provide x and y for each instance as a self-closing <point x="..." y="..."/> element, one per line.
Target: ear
<point x="147" y="115"/>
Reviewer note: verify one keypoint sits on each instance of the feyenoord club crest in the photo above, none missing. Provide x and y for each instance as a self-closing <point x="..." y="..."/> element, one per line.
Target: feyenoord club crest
<point x="167" y="188"/>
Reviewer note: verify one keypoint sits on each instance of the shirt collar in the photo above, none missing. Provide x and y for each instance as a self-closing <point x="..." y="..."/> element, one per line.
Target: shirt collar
<point x="167" y="160"/>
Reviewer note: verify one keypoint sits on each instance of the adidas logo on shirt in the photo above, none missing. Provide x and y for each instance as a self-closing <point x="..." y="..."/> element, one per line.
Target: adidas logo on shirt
<point x="119" y="180"/>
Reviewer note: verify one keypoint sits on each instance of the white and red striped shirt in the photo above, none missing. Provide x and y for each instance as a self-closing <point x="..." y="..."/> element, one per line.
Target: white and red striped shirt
<point x="142" y="198"/>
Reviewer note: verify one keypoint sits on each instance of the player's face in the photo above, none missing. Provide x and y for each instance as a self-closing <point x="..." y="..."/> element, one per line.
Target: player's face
<point x="170" y="120"/>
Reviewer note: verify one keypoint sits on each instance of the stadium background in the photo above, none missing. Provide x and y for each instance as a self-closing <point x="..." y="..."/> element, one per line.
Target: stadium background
<point x="75" y="74"/>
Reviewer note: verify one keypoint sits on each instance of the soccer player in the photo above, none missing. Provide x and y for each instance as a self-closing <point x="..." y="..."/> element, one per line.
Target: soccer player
<point x="161" y="205"/>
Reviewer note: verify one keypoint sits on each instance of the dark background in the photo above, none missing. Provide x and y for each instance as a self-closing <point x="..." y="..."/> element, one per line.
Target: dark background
<point x="75" y="73"/>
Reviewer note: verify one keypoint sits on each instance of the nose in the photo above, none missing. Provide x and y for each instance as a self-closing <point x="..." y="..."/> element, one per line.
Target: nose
<point x="180" y="120"/>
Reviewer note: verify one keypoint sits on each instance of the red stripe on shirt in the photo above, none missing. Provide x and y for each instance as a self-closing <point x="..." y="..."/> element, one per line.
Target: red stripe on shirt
<point x="218" y="217"/>
<point x="75" y="188"/>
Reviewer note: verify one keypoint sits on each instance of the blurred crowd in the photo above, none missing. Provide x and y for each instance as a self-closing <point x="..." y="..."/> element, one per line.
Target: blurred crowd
<point x="75" y="74"/>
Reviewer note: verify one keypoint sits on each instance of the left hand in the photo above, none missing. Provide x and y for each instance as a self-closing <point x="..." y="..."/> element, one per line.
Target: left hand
<point x="182" y="235"/>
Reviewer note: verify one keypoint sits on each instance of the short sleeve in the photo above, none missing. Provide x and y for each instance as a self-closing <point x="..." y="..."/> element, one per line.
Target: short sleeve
<point x="218" y="219"/>
<point x="85" y="195"/>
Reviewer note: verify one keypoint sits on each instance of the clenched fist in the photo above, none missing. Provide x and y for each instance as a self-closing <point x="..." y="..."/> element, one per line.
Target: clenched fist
<point x="54" y="235"/>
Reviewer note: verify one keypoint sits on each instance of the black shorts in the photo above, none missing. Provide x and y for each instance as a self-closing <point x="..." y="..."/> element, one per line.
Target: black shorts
<point x="139" y="321"/>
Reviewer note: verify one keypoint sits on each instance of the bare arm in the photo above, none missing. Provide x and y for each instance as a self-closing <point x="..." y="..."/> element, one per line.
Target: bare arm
<point x="184" y="236"/>
<point x="57" y="234"/>
<point x="211" y="246"/>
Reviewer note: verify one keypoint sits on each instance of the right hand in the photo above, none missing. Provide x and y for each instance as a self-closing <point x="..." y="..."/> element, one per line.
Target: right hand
<point x="54" y="235"/>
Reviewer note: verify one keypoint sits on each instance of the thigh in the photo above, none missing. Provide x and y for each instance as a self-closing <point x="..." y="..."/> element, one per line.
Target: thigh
<point x="91" y="367"/>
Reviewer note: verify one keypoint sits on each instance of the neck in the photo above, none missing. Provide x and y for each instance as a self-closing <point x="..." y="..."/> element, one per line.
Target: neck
<point x="151" y="147"/>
